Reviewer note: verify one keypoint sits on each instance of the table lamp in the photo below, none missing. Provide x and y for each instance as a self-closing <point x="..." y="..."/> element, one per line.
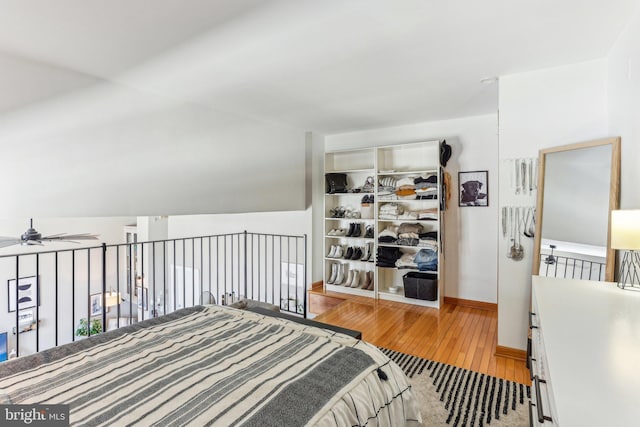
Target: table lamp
<point x="625" y="236"/>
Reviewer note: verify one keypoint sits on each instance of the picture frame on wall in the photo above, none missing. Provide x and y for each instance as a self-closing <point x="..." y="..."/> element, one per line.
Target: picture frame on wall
<point x="143" y="298"/>
<point x="96" y="304"/>
<point x="28" y="293"/>
<point x="473" y="189"/>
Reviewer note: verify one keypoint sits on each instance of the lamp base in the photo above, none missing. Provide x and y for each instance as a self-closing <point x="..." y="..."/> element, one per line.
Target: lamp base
<point x="629" y="276"/>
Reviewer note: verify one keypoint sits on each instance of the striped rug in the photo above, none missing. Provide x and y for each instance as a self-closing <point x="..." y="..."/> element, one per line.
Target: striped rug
<point x="451" y="396"/>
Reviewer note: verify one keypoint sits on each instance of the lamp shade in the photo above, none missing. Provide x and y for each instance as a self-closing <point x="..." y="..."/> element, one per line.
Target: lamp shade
<point x="113" y="298"/>
<point x="625" y="229"/>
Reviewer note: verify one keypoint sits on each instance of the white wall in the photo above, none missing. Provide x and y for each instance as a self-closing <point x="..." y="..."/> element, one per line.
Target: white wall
<point x="110" y="150"/>
<point x="470" y="233"/>
<point x="291" y="223"/>
<point x="540" y="109"/>
<point x="623" y="84"/>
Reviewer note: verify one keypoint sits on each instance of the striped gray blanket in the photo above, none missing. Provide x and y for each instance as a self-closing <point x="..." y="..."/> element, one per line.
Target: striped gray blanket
<point x="216" y="366"/>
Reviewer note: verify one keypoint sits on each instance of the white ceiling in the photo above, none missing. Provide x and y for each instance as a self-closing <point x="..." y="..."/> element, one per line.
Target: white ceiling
<point x="328" y="66"/>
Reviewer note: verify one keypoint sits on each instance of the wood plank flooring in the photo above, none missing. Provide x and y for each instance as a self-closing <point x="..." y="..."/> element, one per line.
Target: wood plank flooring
<point x="461" y="336"/>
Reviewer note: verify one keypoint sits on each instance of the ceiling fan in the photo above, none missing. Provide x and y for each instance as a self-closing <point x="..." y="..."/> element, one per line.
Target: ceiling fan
<point x="33" y="237"/>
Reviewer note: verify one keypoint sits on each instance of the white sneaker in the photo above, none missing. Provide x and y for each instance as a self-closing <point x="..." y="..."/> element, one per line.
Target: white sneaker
<point x="340" y="232"/>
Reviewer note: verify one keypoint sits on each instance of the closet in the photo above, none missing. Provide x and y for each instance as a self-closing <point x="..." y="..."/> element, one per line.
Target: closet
<point x="390" y="208"/>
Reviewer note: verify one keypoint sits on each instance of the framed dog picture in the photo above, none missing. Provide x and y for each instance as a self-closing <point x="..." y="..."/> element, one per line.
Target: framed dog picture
<point x="473" y="188"/>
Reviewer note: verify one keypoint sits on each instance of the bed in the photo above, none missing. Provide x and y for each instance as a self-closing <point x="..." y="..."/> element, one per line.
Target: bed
<point x="213" y="365"/>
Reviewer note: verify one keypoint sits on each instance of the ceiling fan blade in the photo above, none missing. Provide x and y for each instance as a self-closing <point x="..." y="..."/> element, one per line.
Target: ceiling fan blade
<point x="5" y="242"/>
<point x="34" y="242"/>
<point x="66" y="237"/>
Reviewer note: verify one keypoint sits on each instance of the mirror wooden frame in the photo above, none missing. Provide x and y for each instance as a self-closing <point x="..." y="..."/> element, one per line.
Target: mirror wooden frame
<point x="614" y="197"/>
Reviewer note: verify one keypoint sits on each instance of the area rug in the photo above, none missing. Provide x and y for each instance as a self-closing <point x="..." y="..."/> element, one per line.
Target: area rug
<point x="451" y="396"/>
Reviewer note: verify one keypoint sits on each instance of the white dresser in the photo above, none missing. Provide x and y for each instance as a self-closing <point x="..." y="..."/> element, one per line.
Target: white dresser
<point x="585" y="356"/>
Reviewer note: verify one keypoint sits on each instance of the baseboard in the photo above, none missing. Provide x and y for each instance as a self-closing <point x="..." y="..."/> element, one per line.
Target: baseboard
<point x="511" y="353"/>
<point x="317" y="285"/>
<point x="471" y="303"/>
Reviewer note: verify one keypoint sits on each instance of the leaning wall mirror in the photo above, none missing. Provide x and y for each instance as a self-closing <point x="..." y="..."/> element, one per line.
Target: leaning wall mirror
<point x="578" y="187"/>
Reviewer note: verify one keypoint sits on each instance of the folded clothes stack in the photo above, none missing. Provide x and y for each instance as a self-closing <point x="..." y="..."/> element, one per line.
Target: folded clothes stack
<point x="429" y="239"/>
<point x="406" y="189"/>
<point x="426" y="187"/>
<point x="388" y="235"/>
<point x="386" y="187"/>
<point x="427" y="259"/>
<point x="387" y="256"/>
<point x="407" y="260"/>
<point x="409" y="234"/>
<point x="407" y="241"/>
<point x="430" y="214"/>
<point x="390" y="211"/>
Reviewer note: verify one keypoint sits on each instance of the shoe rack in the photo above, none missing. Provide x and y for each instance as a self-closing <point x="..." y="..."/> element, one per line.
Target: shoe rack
<point x="349" y="252"/>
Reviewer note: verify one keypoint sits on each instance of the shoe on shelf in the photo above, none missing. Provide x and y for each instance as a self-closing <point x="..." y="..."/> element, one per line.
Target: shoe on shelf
<point x="371" y="281"/>
<point x="340" y="232"/>
<point x="357" y="254"/>
<point x="368" y="234"/>
<point x="366" y="253"/>
<point x="347" y="279"/>
<point x="357" y="230"/>
<point x="366" y="281"/>
<point x="334" y="273"/>
<point x="332" y="232"/>
<point x="340" y="275"/>
<point x="356" y="279"/>
<point x="332" y="252"/>
<point x="349" y="253"/>
<point x="351" y="229"/>
<point x="339" y="252"/>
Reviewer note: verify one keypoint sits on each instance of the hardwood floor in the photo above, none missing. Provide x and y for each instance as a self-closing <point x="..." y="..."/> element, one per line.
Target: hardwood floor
<point x="461" y="336"/>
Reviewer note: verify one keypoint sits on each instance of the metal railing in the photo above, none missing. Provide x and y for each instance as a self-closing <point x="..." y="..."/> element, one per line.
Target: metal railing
<point x="570" y="267"/>
<point x="147" y="279"/>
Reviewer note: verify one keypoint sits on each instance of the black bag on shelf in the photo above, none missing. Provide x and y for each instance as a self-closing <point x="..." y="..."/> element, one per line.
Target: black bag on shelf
<point x="336" y="182"/>
<point x="421" y="286"/>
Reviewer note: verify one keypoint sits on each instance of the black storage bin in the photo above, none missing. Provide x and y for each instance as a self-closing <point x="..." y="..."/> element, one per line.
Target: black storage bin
<point x="421" y="286"/>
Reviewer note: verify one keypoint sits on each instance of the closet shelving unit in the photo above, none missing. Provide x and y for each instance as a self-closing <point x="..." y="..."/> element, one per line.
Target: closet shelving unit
<point x="397" y="161"/>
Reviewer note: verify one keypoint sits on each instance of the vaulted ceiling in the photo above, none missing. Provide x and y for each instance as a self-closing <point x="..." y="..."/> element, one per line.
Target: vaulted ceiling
<point x="328" y="66"/>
